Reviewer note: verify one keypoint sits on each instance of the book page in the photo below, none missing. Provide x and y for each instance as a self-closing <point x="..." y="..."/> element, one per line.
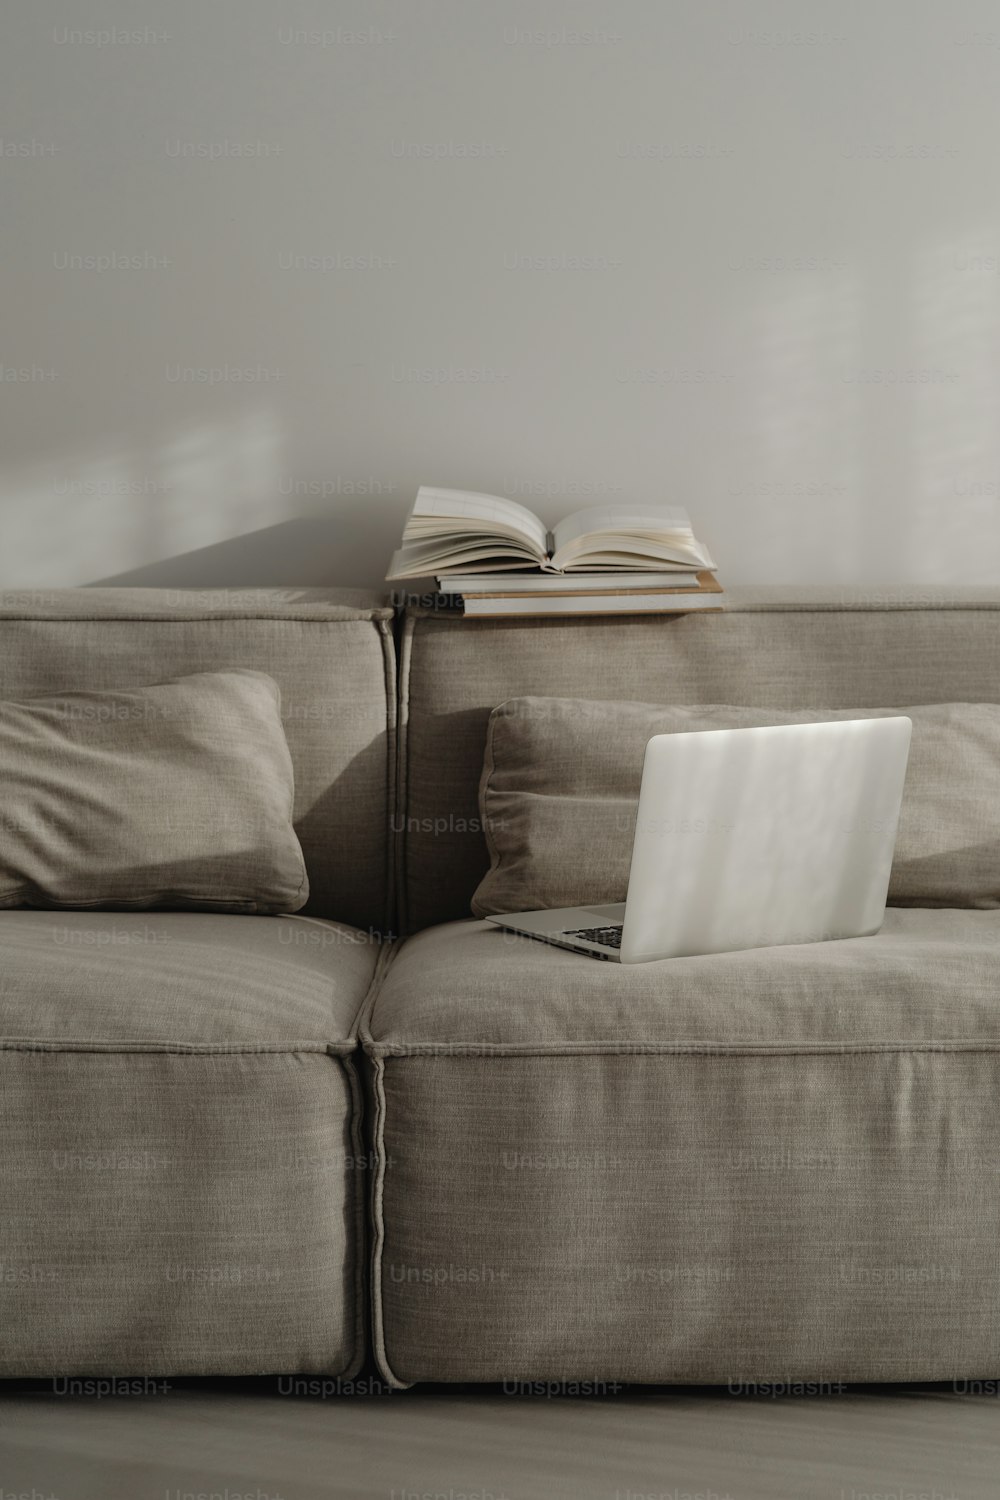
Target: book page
<point x="625" y="554"/>
<point x="442" y="557"/>
<point x="615" y="518"/>
<point x="469" y="506"/>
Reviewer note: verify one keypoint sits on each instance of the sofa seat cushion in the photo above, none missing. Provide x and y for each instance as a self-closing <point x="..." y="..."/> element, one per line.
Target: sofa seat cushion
<point x="752" y="1167"/>
<point x="181" y="1181"/>
<point x="190" y="978"/>
<point x="930" y="975"/>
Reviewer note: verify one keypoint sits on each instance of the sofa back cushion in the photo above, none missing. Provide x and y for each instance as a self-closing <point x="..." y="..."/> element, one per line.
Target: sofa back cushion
<point x="769" y="648"/>
<point x="330" y="654"/>
<point x="560" y="791"/>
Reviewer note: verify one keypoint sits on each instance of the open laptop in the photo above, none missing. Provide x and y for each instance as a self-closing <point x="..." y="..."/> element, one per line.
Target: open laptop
<point x="746" y="838"/>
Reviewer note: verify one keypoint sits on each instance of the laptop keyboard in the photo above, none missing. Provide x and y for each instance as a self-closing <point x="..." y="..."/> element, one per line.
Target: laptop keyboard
<point x="608" y="937"/>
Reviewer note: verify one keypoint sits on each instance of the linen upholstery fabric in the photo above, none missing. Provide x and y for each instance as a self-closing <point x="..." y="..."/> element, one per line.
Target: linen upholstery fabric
<point x="778" y="1164"/>
<point x="774" y="648"/>
<point x="331" y="654"/>
<point x="561" y="779"/>
<point x="179" y="1184"/>
<point x="175" y="795"/>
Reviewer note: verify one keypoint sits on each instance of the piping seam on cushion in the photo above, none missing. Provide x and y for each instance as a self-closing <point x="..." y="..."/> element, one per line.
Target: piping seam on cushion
<point x="655" y="1049"/>
<point x="378" y="1237"/>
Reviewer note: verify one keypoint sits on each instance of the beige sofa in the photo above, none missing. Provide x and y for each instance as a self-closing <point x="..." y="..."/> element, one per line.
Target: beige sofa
<point x="776" y="1165"/>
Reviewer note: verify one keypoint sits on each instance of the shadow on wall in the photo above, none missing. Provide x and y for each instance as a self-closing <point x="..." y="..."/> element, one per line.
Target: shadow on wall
<point x="115" y="505"/>
<point x="309" y="551"/>
<point x="208" y="505"/>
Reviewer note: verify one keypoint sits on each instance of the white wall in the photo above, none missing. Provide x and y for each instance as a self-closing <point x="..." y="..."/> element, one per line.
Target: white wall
<point x="742" y="256"/>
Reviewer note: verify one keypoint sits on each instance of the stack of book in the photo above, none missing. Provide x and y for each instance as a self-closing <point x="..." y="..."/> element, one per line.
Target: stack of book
<point x="493" y="557"/>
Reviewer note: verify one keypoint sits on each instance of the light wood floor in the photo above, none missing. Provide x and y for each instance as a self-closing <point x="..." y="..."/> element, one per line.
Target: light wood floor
<point x="244" y="1439"/>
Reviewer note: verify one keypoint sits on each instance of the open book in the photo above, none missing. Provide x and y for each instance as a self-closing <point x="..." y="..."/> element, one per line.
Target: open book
<point x="457" y="531"/>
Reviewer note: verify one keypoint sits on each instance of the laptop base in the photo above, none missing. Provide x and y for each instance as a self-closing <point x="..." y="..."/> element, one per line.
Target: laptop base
<point x="565" y="925"/>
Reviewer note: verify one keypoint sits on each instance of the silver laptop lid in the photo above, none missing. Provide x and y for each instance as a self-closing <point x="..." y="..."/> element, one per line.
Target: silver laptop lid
<point x="748" y="837"/>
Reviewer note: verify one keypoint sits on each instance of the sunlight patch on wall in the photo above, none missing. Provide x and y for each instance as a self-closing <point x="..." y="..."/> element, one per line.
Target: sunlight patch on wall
<point x="952" y="513"/>
<point x="800" y="453"/>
